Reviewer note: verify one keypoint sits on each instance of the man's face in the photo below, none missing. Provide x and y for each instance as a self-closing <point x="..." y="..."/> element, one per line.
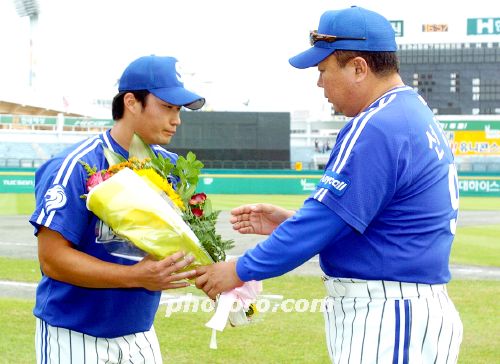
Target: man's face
<point x="158" y="121"/>
<point x="338" y="84"/>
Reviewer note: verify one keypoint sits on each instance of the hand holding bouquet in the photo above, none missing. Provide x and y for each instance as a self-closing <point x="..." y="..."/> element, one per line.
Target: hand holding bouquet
<point x="136" y="199"/>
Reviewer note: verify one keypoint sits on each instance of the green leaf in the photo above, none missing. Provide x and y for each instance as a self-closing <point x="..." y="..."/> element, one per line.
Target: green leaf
<point x="90" y="170"/>
<point x="139" y="149"/>
<point x="188" y="170"/>
<point x="204" y="229"/>
<point x="113" y="157"/>
<point x="207" y="207"/>
<point x="163" y="166"/>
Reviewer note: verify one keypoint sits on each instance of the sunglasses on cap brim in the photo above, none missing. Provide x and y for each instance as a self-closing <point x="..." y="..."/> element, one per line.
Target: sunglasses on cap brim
<point x="314" y="37"/>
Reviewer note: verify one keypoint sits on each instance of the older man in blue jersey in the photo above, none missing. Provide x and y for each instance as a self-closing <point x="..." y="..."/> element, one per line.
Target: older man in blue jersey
<point x="382" y="217"/>
<point x="93" y="306"/>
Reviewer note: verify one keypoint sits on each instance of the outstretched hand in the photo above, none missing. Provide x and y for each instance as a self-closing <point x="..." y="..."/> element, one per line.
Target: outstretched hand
<point x="258" y="218"/>
<point x="158" y="275"/>
<point x="217" y="278"/>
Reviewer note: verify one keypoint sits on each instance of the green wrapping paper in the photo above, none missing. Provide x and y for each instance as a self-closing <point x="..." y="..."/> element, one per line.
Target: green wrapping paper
<point x="139" y="213"/>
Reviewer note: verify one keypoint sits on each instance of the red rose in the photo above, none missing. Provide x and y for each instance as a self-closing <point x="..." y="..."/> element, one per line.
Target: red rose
<point x="94" y="180"/>
<point x="197" y="212"/>
<point x="197" y="199"/>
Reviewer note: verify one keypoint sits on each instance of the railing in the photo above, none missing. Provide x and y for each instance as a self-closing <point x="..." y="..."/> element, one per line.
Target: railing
<point x="478" y="167"/>
<point x="211" y="164"/>
<point x="21" y="162"/>
<point x="493" y="167"/>
<point x="253" y="164"/>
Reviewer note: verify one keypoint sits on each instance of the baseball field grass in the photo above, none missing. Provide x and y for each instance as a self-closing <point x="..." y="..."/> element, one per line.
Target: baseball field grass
<point x="278" y="337"/>
<point x="473" y="245"/>
<point x="275" y="337"/>
<point x="23" y="204"/>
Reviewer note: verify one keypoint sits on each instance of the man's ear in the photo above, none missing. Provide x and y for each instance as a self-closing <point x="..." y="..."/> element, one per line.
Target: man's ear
<point x="131" y="104"/>
<point x="360" y="67"/>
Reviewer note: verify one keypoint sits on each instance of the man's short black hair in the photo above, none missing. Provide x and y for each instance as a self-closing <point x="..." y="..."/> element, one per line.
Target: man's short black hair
<point x="117" y="107"/>
<point x="381" y="63"/>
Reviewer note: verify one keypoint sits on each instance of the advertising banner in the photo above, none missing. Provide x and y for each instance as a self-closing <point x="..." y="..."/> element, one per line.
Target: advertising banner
<point x="478" y="138"/>
<point x="483" y="26"/>
<point x="278" y="182"/>
<point x="17" y="182"/>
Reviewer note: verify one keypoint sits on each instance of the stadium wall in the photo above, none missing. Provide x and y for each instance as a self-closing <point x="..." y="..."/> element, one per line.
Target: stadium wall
<point x="288" y="182"/>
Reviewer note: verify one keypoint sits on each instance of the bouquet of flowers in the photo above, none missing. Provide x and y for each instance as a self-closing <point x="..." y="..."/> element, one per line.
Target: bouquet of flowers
<point x="147" y="213"/>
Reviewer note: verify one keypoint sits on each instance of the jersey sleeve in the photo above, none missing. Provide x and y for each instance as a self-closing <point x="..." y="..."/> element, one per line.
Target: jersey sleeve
<point x="294" y="242"/>
<point x="361" y="178"/>
<point x="59" y="203"/>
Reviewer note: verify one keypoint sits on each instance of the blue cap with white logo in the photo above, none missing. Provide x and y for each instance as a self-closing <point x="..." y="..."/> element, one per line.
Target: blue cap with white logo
<point x="353" y="29"/>
<point x="159" y="76"/>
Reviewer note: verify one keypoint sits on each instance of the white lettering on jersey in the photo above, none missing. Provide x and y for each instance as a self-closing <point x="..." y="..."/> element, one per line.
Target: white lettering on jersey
<point x="433" y="139"/>
<point x="454" y="195"/>
<point x="338" y="185"/>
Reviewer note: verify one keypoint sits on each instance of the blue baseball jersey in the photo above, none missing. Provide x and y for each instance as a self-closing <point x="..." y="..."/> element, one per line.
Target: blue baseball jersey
<point x="59" y="185"/>
<point x="391" y="179"/>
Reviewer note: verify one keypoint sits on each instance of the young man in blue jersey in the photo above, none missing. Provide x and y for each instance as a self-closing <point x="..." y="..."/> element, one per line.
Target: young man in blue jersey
<point x="382" y="217"/>
<point x="92" y="306"/>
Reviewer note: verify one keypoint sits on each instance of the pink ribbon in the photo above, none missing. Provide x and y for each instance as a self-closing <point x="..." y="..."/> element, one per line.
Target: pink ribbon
<point x="243" y="296"/>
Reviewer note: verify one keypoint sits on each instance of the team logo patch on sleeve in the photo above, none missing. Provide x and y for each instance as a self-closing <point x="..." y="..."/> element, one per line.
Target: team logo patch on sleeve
<point x="334" y="182"/>
<point x="54" y="198"/>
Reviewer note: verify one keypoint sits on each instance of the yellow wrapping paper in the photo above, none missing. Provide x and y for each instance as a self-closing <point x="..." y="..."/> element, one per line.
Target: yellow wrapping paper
<point x="135" y="211"/>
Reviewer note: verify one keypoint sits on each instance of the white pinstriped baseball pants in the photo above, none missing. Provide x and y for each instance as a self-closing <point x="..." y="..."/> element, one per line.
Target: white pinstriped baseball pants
<point x="390" y="322"/>
<point x="58" y="345"/>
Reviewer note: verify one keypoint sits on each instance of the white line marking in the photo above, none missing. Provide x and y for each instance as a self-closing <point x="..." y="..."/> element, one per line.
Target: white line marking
<point x="17" y="244"/>
<point x="18" y="284"/>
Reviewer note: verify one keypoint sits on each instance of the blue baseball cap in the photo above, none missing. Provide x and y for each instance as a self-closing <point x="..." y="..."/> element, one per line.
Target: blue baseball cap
<point x="352" y="29"/>
<point x="159" y="75"/>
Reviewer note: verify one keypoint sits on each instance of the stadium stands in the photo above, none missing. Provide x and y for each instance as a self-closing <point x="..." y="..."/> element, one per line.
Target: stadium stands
<point x="28" y="141"/>
<point x="27" y="155"/>
<point x="17" y="150"/>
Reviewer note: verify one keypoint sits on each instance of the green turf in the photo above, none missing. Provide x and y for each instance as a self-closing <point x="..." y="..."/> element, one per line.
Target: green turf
<point x="23" y="270"/>
<point x="477" y="303"/>
<point x="479" y="203"/>
<point x="23" y="204"/>
<point x="477" y="245"/>
<point x="275" y="337"/>
<point x="18" y="331"/>
<point x="473" y="245"/>
<point x="227" y="202"/>
<point x="16" y="203"/>
<point x="287" y="337"/>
